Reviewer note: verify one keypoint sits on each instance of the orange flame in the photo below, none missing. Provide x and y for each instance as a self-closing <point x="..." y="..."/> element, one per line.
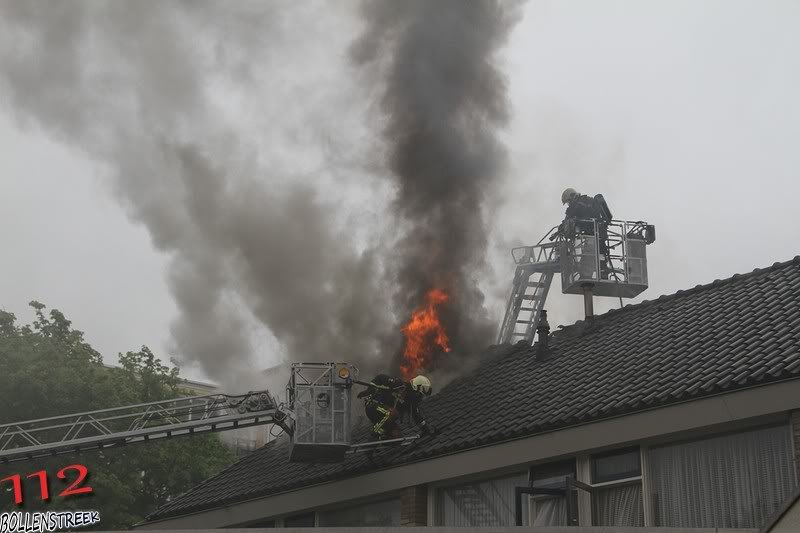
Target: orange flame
<point x="425" y="335"/>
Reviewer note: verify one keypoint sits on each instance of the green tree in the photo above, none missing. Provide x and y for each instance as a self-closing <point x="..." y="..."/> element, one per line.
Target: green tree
<point x="48" y="369"/>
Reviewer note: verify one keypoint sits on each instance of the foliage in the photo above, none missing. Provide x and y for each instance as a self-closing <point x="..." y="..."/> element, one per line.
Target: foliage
<point x="48" y="369"/>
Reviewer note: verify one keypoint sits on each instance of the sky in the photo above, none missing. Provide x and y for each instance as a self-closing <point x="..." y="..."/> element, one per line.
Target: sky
<point x="684" y="114"/>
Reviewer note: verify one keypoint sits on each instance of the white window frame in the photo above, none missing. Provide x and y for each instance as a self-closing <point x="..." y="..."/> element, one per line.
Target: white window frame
<point x="470" y="478"/>
<point x="531" y="498"/>
<point x="647" y="501"/>
<point x="677" y="439"/>
<point x="617" y="482"/>
<point x="583" y="465"/>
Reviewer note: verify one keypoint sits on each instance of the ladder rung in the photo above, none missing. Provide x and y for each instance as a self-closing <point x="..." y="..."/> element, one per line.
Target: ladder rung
<point x="527" y="296"/>
<point x="531" y="296"/>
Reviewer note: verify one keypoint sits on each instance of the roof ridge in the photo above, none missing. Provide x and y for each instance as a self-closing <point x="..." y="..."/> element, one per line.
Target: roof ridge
<point x="684" y="292"/>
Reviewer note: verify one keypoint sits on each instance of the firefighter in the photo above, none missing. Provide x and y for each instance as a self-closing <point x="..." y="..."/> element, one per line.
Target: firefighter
<point x="582" y="210"/>
<point x="388" y="399"/>
<point x="583" y="207"/>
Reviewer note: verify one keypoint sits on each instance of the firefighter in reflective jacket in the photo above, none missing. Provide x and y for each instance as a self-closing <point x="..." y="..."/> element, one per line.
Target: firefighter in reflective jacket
<point x="388" y="400"/>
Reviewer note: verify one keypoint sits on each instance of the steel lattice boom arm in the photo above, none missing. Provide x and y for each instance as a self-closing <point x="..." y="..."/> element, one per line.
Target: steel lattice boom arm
<point x="107" y="428"/>
<point x="595" y="257"/>
<point x="536" y="266"/>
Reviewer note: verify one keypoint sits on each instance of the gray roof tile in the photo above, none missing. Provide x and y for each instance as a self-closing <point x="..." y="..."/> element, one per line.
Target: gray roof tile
<point x="734" y="333"/>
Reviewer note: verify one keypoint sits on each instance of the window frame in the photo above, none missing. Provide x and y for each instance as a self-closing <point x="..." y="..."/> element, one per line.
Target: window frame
<point x="638" y="479"/>
<point x="680" y="440"/>
<point x="604" y="480"/>
<point x="571" y="461"/>
<point x="541" y="492"/>
<point x="584" y="464"/>
<point x="434" y="487"/>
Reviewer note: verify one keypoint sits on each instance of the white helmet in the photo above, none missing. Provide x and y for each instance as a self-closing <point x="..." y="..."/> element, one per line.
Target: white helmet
<point x="568" y="193"/>
<point x="422" y="385"/>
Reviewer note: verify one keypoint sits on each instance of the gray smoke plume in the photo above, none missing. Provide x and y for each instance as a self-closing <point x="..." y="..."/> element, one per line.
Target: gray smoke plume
<point x="443" y="100"/>
<point x="187" y="107"/>
<point x="142" y="87"/>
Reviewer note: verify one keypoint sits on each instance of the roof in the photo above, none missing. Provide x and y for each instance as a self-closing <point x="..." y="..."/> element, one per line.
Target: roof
<point x="735" y="333"/>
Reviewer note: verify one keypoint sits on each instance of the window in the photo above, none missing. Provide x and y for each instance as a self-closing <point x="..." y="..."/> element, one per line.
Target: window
<point x="734" y="481"/>
<point x="384" y="513"/>
<point x="299" y="520"/>
<point x="551" y="510"/>
<point x="616" y="465"/>
<point x="617" y="494"/>
<point x="486" y="503"/>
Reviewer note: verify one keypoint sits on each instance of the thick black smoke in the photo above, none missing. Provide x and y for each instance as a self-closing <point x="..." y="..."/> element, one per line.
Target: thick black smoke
<point x="132" y="84"/>
<point x="443" y="100"/>
<point x="144" y="89"/>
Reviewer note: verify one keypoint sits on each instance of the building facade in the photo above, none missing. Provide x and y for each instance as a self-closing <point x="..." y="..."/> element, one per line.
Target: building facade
<point x="679" y="412"/>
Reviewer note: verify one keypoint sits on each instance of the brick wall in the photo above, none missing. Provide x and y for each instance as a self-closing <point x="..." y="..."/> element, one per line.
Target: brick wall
<point x="795" y="418"/>
<point x="414" y="506"/>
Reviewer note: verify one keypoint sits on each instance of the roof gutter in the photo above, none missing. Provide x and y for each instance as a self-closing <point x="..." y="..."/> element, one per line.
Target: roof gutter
<point x="708" y="411"/>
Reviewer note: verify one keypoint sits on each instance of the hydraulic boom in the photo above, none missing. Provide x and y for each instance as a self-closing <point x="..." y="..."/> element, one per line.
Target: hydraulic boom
<point x="108" y="428"/>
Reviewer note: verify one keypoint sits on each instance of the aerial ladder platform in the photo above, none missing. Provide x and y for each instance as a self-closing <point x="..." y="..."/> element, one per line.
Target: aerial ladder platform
<point x="594" y="258"/>
<point x="121" y="426"/>
<point x="316" y="415"/>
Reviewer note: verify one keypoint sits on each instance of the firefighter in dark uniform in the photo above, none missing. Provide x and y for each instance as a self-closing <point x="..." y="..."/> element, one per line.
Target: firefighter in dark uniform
<point x="388" y="400"/>
<point x="582" y="210"/>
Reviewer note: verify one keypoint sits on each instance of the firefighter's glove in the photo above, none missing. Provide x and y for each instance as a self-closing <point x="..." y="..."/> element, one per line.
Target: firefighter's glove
<point x="363" y="393"/>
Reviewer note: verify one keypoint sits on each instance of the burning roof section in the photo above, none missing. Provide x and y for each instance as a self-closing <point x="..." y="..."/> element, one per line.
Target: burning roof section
<point x="731" y="334"/>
